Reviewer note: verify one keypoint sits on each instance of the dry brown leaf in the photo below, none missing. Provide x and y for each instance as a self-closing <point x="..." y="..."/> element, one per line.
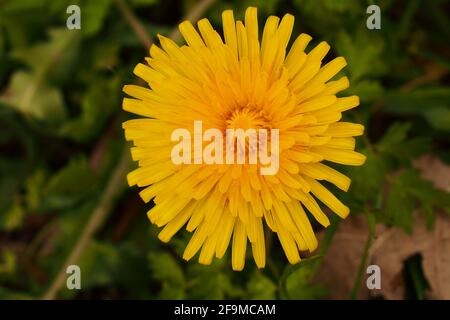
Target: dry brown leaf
<point x="391" y="247"/>
<point x="435" y="170"/>
<point x="436" y="260"/>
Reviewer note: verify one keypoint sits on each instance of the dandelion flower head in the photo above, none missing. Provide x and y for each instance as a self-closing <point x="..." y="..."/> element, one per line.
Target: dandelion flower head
<point x="242" y="80"/>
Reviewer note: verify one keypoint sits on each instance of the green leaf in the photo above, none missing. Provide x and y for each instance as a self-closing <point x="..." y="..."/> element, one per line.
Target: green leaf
<point x="33" y="92"/>
<point x="166" y="270"/>
<point x="363" y="52"/>
<point x="93" y="14"/>
<point x="12" y="218"/>
<point x="8" y="262"/>
<point x="98" y="264"/>
<point x="431" y="103"/>
<point x="260" y="287"/>
<point x="439" y="118"/>
<point x="295" y="282"/>
<point x="34" y="186"/>
<point x="414" y="102"/>
<point x="396" y="134"/>
<point x="399" y="207"/>
<point x="105" y="54"/>
<point x="211" y="282"/>
<point x="22" y="5"/>
<point x="71" y="183"/>
<point x="98" y="104"/>
<point x="368" y="179"/>
<point x="408" y="190"/>
<point x="395" y="143"/>
<point x="33" y="98"/>
<point x="424" y="191"/>
<point x="52" y="61"/>
<point x="367" y="90"/>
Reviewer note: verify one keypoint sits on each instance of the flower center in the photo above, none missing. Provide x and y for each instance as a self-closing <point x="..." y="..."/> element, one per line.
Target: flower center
<point x="248" y="117"/>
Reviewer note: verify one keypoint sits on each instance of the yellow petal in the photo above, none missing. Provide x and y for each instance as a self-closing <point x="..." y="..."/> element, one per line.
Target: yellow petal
<point x="195" y="243"/>
<point x="334" y="87"/>
<point x="345" y="129"/>
<point x="229" y="31"/>
<point x="176" y="223"/>
<point x="340" y="156"/>
<point x="320" y="171"/>
<point x="285" y="30"/>
<point x="258" y="246"/>
<point x="207" y="252"/>
<point x="239" y="246"/>
<point x="191" y="36"/>
<point x="316" y="103"/>
<point x="227" y="225"/>
<point x="287" y="242"/>
<point x="328" y="198"/>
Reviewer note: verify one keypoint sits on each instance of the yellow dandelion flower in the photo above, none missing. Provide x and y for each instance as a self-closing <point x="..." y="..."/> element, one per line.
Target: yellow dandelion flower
<point x="242" y="81"/>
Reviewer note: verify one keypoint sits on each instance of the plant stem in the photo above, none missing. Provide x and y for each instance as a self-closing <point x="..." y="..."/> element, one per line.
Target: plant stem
<point x="194" y="14"/>
<point x="134" y="22"/>
<point x="334" y="223"/>
<point x="95" y="222"/>
<point x="329" y="235"/>
<point x="362" y="265"/>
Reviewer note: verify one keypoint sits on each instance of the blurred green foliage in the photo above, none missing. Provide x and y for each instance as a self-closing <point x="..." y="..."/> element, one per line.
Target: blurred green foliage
<point x="60" y="139"/>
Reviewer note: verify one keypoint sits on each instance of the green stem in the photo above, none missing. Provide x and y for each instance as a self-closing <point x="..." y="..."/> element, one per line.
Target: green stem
<point x="329" y="235"/>
<point x="96" y="220"/>
<point x="362" y="265"/>
<point x="314" y="261"/>
<point x="134" y="22"/>
<point x="334" y="223"/>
